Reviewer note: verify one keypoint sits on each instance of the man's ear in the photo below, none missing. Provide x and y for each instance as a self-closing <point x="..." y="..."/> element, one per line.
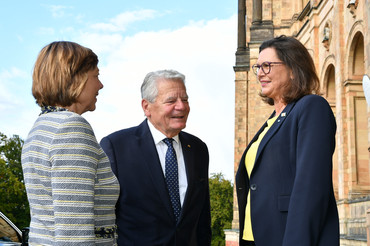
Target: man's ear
<point x="145" y="105"/>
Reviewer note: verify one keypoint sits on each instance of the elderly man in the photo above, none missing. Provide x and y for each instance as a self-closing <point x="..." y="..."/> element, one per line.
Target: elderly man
<point x="163" y="171"/>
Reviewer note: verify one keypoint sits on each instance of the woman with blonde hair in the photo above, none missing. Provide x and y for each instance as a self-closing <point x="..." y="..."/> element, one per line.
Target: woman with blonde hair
<point x="71" y="188"/>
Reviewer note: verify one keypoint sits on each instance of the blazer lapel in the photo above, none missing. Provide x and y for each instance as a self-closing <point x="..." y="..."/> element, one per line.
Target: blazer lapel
<point x="189" y="160"/>
<point x="152" y="163"/>
<point x="273" y="129"/>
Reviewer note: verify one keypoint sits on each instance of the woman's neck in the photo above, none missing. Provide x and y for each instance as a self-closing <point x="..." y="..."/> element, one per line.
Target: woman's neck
<point x="279" y="107"/>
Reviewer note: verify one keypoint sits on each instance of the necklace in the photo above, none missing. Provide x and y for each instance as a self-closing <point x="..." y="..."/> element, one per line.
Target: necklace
<point x="48" y="109"/>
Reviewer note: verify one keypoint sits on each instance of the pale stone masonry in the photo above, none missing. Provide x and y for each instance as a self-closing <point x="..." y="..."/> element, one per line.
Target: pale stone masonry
<point x="337" y="35"/>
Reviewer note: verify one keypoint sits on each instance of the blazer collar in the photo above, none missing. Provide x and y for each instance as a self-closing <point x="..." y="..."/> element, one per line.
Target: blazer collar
<point x="189" y="157"/>
<point x="149" y="152"/>
<point x="273" y="129"/>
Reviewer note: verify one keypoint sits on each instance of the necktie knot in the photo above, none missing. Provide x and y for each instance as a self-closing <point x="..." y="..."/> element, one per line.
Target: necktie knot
<point x="168" y="141"/>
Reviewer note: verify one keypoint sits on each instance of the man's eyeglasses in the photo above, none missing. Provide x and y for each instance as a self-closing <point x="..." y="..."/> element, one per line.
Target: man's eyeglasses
<point x="266" y="67"/>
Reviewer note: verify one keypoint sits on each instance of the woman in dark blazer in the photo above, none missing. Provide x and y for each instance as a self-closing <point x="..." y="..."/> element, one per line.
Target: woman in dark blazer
<point x="284" y="180"/>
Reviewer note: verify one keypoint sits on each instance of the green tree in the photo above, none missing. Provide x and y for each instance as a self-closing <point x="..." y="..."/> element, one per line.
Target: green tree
<point x="221" y="195"/>
<point x="13" y="198"/>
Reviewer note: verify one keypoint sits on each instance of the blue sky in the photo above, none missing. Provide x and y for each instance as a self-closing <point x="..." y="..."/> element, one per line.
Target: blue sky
<point x="131" y="38"/>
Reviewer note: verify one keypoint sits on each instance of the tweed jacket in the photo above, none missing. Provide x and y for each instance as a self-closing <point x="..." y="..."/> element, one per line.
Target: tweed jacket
<point x="71" y="188"/>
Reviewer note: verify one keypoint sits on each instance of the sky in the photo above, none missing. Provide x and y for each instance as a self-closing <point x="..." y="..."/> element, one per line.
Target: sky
<point x="131" y="38"/>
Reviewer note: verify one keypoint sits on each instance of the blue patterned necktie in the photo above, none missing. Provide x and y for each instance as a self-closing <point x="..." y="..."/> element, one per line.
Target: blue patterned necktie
<point x="172" y="177"/>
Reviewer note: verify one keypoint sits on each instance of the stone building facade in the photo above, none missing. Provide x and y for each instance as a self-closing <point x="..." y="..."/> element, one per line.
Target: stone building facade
<point x="337" y="35"/>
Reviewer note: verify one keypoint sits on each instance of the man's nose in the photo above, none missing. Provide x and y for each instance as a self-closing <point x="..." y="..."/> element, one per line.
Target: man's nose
<point x="180" y="104"/>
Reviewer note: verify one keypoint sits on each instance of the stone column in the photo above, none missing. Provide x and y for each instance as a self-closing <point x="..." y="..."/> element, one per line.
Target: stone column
<point x="241" y="68"/>
<point x="241" y="26"/>
<point x="257" y="12"/>
<point x="368" y="226"/>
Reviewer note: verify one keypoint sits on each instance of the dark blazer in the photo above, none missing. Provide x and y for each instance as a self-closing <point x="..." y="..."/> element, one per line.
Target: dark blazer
<point x="292" y="198"/>
<point x="144" y="212"/>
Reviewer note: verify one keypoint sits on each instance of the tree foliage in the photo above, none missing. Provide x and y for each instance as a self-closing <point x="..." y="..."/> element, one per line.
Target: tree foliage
<point x="221" y="195"/>
<point x="13" y="198"/>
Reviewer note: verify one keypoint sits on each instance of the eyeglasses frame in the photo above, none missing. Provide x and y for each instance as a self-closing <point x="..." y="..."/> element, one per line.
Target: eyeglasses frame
<point x="256" y="67"/>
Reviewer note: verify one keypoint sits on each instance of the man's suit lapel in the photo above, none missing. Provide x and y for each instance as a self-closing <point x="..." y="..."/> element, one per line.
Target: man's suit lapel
<point x="152" y="163"/>
<point x="189" y="160"/>
<point x="274" y="128"/>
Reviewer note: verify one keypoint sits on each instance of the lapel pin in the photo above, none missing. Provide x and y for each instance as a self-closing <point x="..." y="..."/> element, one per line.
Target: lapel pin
<point x="283" y="114"/>
<point x="189" y="146"/>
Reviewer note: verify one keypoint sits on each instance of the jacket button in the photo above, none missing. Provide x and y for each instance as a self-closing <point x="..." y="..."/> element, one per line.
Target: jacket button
<point x="253" y="187"/>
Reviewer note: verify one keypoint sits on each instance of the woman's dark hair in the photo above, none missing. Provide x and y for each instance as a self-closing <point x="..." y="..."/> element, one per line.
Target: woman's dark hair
<point x="296" y="57"/>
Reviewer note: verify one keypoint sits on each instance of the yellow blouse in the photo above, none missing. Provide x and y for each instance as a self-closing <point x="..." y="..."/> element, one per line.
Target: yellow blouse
<point x="249" y="163"/>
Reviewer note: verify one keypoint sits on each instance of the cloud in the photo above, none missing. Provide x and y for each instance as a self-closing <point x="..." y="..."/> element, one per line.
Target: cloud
<point x="20" y="38"/>
<point x="123" y="20"/>
<point x="203" y="51"/>
<point x="15" y="95"/>
<point x="9" y="89"/>
<point x="12" y="73"/>
<point x="58" y="11"/>
<point x="46" y="31"/>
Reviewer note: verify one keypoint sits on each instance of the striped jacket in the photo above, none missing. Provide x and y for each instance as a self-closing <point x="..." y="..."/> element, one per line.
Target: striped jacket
<point x="71" y="188"/>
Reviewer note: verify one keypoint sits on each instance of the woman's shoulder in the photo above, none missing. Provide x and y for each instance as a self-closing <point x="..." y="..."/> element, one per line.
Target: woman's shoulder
<point x="66" y="122"/>
<point x="66" y="118"/>
<point x="69" y="115"/>
<point x="314" y="106"/>
<point x="313" y="100"/>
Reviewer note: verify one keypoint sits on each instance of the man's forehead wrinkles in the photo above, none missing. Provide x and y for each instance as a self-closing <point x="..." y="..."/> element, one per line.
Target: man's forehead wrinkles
<point x="177" y="96"/>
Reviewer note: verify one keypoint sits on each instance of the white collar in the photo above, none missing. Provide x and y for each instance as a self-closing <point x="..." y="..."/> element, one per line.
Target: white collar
<point x="159" y="136"/>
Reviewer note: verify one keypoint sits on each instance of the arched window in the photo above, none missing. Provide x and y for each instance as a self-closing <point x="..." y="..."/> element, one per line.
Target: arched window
<point x="356" y="58"/>
<point x="330" y="85"/>
<point x="330" y="94"/>
<point x="358" y="120"/>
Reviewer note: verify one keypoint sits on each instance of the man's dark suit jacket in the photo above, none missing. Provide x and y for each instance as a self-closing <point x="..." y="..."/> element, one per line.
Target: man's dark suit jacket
<point x="292" y="199"/>
<point x="144" y="213"/>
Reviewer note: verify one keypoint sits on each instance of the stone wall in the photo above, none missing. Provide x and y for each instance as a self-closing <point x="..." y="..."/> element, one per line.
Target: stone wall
<point x="337" y="35"/>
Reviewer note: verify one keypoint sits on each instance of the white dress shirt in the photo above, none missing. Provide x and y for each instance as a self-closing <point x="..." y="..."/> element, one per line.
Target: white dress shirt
<point x="162" y="149"/>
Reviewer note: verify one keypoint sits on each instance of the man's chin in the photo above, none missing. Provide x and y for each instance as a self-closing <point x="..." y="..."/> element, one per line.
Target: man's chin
<point x="179" y="127"/>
